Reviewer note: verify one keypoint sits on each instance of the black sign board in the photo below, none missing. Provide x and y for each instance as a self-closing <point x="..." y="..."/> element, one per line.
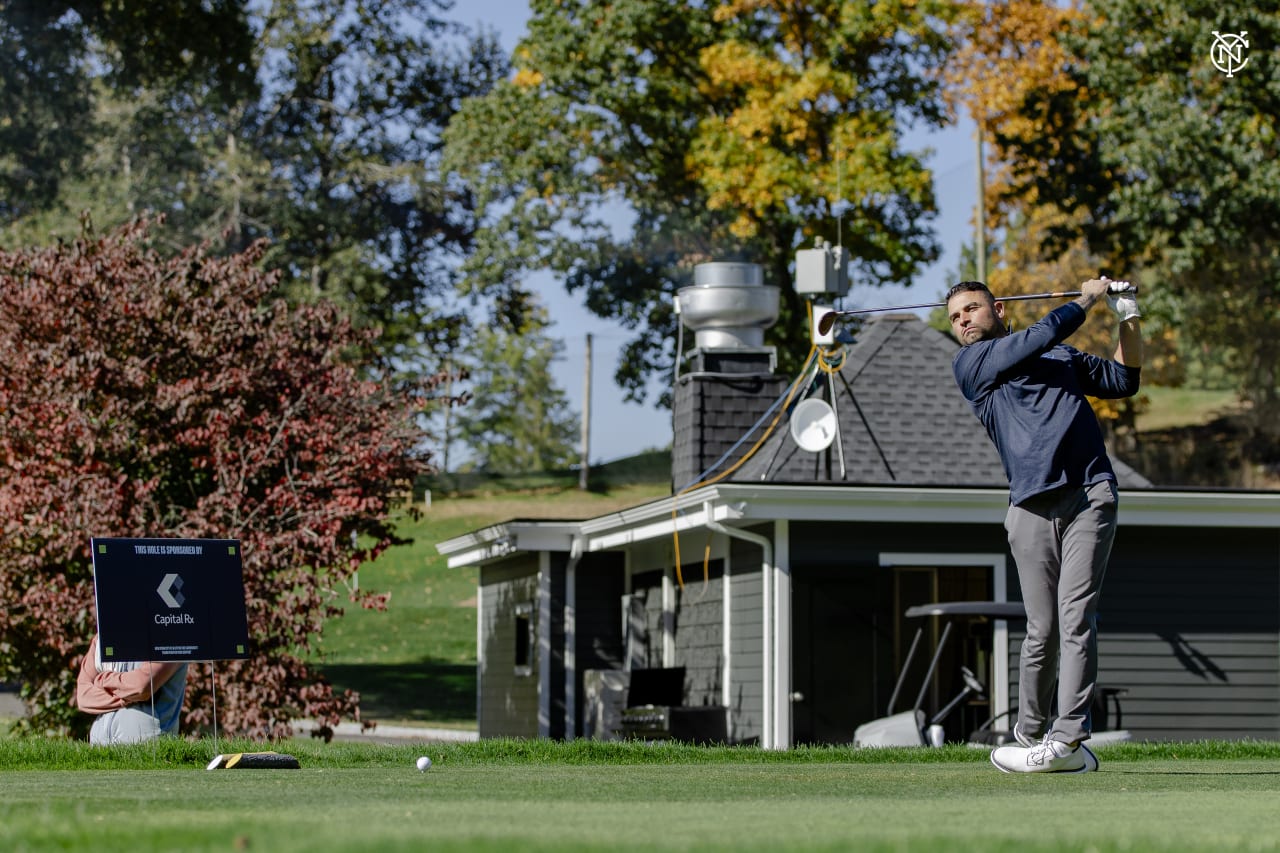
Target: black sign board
<point x="179" y="600"/>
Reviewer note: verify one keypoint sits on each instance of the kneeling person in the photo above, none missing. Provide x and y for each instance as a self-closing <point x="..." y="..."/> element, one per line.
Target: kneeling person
<point x="121" y="695"/>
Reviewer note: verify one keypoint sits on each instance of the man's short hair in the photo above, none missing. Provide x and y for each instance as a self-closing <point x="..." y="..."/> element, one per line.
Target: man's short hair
<point x="969" y="287"/>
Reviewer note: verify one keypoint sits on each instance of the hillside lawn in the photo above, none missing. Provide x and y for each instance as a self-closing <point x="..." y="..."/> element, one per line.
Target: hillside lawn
<point x="414" y="663"/>
<point x="1169" y="408"/>
<point x="503" y="795"/>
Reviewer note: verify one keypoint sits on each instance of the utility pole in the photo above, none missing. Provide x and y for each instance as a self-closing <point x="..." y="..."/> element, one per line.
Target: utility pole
<point x="586" y="421"/>
<point x="448" y="407"/>
<point x="980" y="214"/>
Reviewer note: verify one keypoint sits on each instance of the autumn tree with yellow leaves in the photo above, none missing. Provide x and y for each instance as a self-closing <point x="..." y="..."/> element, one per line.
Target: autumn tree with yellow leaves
<point x="1114" y="118"/>
<point x="639" y="138"/>
<point x="1010" y="72"/>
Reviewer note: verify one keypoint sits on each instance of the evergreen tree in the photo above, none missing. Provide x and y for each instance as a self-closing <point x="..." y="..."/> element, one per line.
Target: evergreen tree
<point x="333" y="156"/>
<point x="518" y="420"/>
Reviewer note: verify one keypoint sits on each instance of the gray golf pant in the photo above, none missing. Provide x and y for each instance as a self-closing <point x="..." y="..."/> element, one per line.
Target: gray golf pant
<point x="1061" y="541"/>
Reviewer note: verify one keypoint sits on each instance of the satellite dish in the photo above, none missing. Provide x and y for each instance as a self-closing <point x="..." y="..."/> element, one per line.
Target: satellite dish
<point x="813" y="425"/>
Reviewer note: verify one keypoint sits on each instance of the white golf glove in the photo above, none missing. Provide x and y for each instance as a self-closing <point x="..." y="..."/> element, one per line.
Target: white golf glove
<point x="1123" y="299"/>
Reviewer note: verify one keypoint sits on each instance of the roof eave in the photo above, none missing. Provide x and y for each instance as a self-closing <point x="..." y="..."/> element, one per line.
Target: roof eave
<point x="746" y="504"/>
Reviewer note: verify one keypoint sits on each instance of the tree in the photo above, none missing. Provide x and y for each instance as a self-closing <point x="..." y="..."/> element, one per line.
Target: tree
<point x="1174" y="168"/>
<point x="1011" y="67"/>
<point x="143" y="395"/>
<point x="1023" y="264"/>
<point x="518" y="421"/>
<point x="732" y="131"/>
<point x="361" y="212"/>
<point x="52" y="50"/>
<point x="332" y="156"/>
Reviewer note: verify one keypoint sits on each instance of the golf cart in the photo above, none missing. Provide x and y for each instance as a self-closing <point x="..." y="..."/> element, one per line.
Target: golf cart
<point x="914" y="728"/>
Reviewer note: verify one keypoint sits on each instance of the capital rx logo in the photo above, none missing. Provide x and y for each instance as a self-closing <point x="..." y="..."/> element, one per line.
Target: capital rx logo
<point x="170" y="590"/>
<point x="1227" y="53"/>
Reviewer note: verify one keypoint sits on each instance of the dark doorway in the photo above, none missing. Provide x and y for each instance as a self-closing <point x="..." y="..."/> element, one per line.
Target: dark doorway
<point x="842" y="646"/>
<point x="850" y="638"/>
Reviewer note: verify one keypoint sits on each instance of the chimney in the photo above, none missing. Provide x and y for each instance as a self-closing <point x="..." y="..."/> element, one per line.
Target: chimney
<point x="730" y="381"/>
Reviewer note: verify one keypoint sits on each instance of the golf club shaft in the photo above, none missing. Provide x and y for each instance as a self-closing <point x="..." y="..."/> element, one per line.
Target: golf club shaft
<point x="829" y="319"/>
<point x="1064" y="294"/>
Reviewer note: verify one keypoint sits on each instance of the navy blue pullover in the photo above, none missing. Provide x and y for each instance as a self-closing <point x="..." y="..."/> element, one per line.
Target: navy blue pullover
<point x="1029" y="388"/>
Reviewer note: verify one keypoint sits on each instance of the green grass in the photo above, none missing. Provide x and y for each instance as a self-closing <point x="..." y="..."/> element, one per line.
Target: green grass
<point x="415" y="661"/>
<point x="538" y="795"/>
<point x="431" y="611"/>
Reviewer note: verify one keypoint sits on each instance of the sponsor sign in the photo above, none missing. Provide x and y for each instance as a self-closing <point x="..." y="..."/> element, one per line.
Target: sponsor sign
<point x="179" y="600"/>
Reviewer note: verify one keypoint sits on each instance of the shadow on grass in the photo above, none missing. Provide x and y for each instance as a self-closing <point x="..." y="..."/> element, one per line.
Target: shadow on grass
<point x="425" y="692"/>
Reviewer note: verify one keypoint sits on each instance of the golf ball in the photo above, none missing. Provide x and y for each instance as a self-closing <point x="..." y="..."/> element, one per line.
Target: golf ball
<point x="424" y="763"/>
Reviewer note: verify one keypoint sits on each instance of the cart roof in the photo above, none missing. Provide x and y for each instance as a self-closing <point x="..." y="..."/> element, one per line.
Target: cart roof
<point x="990" y="609"/>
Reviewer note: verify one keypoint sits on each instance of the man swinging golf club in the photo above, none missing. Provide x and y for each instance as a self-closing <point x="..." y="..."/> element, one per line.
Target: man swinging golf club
<point x="1028" y="389"/>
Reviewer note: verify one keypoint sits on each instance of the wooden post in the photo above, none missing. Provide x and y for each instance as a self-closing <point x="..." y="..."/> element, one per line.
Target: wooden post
<point x="448" y="408"/>
<point x="980" y="214"/>
<point x="586" y="421"/>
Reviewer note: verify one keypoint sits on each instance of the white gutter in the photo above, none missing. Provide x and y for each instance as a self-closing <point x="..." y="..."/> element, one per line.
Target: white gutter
<point x="767" y="687"/>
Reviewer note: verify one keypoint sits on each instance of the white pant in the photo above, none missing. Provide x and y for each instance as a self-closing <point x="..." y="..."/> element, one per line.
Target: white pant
<point x="133" y="724"/>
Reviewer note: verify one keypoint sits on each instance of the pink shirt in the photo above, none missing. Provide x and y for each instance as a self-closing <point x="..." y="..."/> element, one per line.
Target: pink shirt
<point x="100" y="692"/>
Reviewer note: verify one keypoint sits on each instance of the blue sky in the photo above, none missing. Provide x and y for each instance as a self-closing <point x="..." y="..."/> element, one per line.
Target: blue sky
<point x="621" y="429"/>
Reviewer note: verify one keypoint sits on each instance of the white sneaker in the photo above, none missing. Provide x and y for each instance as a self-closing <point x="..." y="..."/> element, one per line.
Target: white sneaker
<point x="1047" y="756"/>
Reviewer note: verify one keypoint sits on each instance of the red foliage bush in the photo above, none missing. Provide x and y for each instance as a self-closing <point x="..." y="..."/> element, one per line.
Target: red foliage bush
<point x="144" y="395"/>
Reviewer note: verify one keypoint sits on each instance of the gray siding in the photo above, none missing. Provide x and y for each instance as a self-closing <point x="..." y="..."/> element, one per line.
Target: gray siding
<point x="699" y="647"/>
<point x="699" y="641"/>
<point x="647" y="587"/>
<point x="1191" y="633"/>
<point x="856" y="545"/>
<point x="508" y="701"/>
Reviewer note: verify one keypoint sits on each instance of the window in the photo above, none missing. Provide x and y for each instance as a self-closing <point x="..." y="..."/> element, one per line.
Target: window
<point x="524" y="638"/>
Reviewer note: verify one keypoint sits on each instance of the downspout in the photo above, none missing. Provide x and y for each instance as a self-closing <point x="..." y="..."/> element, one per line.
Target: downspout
<point x="544" y="644"/>
<point x="767" y="691"/>
<point x="570" y="633"/>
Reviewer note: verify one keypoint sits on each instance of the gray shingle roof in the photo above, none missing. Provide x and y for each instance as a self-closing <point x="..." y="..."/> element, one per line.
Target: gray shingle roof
<point x="901" y="419"/>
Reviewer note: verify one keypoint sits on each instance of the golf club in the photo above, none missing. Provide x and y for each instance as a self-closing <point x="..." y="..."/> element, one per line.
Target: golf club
<point x="829" y="319"/>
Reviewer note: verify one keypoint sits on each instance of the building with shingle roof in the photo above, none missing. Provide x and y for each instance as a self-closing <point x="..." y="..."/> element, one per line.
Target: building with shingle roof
<point x="775" y="582"/>
<point x="900" y="417"/>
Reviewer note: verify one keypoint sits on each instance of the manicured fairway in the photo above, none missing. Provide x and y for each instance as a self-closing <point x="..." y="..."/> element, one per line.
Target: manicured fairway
<point x="475" y="799"/>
